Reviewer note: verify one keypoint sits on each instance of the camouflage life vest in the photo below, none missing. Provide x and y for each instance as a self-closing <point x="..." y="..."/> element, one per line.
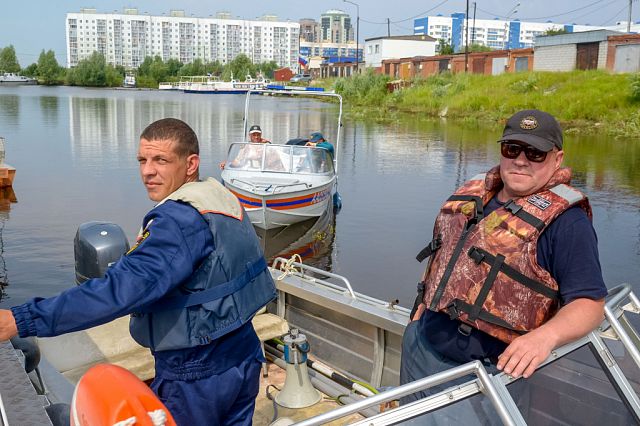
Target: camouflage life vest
<point x="483" y="271"/>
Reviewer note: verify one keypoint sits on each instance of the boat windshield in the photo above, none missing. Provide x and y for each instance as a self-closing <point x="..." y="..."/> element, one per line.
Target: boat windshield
<point x="279" y="158"/>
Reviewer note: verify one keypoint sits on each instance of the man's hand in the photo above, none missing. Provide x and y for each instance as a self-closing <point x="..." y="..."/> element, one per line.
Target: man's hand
<point x="8" y="327"/>
<point x="571" y="322"/>
<point x="526" y="353"/>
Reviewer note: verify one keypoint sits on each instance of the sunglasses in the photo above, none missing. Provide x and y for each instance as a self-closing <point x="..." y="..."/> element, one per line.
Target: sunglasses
<point x="513" y="150"/>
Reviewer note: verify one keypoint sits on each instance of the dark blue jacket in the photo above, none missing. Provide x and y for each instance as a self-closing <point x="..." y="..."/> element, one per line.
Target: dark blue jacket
<point x="226" y="290"/>
<point x="178" y="244"/>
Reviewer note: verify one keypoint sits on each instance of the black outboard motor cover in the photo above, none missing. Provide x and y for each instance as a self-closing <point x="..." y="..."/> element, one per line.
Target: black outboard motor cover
<point x="97" y="246"/>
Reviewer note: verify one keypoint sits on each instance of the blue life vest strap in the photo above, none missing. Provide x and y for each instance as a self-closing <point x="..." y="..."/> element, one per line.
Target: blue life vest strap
<point x="217" y="292"/>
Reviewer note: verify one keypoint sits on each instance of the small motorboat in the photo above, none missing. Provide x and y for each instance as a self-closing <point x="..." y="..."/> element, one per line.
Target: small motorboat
<point x="287" y="183"/>
<point x="279" y="185"/>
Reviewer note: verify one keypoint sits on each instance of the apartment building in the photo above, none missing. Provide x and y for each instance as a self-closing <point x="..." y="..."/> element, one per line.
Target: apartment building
<point x="494" y="33"/>
<point x="335" y="26"/>
<point x="127" y="38"/>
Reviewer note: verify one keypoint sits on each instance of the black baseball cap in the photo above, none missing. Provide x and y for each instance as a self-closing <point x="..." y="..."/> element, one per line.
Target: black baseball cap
<point x="534" y="127"/>
<point x="255" y="129"/>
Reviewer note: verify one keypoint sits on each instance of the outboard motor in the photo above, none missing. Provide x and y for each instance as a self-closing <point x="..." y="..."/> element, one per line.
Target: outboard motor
<point x="97" y="246"/>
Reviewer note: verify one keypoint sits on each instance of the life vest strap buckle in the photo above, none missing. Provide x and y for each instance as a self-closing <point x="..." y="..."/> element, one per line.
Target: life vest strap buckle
<point x="430" y="249"/>
<point x="512" y="207"/>
<point x="453" y="311"/>
<point x="464" y="329"/>
<point x="476" y="255"/>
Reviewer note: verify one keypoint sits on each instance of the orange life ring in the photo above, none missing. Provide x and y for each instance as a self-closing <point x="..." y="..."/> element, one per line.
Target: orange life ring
<point x="109" y="395"/>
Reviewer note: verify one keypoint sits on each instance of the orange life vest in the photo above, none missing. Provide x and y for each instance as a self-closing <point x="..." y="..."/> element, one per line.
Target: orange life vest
<point x="483" y="270"/>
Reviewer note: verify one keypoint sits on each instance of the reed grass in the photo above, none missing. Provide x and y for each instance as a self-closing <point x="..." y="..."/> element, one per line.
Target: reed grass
<point x="583" y="101"/>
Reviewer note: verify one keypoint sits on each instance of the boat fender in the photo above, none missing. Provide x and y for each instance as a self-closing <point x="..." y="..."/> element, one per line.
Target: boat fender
<point x="30" y="349"/>
<point x="337" y="201"/>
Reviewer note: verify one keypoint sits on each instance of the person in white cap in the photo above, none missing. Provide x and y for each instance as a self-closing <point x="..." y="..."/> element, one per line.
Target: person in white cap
<point x="255" y="135"/>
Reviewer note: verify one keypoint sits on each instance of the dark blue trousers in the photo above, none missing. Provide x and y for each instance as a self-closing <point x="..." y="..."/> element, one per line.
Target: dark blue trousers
<point x="222" y="399"/>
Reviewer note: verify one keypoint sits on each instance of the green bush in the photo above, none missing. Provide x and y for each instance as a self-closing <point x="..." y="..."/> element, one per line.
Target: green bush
<point x="635" y="86"/>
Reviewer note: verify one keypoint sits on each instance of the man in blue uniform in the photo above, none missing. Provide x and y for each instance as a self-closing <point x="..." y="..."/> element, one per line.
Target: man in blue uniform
<point x="192" y="283"/>
<point x="531" y="148"/>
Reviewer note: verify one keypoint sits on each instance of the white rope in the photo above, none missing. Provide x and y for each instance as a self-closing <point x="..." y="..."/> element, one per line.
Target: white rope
<point x="158" y="418"/>
<point x="127" y="422"/>
<point x="288" y="268"/>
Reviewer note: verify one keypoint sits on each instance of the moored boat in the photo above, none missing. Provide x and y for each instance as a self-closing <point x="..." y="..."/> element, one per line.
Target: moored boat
<point x="12" y="79"/>
<point x="129" y="80"/>
<point x="213" y="85"/>
<point x="279" y="185"/>
<point x="286" y="183"/>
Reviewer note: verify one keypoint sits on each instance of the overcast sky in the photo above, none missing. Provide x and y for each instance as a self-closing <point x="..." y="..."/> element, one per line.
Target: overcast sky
<point x="31" y="26"/>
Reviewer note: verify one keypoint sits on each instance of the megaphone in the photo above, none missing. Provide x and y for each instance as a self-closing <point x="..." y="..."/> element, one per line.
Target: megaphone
<point x="298" y="392"/>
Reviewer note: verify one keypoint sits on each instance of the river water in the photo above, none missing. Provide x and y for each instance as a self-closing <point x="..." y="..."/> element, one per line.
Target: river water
<point x="74" y="150"/>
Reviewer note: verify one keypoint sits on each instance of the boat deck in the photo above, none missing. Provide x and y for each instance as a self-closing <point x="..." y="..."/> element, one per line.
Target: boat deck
<point x="265" y="407"/>
<point x="22" y="405"/>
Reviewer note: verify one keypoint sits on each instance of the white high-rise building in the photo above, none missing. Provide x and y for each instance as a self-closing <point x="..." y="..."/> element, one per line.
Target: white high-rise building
<point x="127" y="38"/>
<point x="494" y="33"/>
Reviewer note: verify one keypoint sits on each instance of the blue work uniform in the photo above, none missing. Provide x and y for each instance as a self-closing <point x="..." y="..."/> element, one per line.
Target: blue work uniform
<point x="212" y="383"/>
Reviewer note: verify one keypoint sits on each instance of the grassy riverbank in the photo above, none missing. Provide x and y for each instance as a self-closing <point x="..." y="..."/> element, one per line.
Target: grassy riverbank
<point x="583" y="101"/>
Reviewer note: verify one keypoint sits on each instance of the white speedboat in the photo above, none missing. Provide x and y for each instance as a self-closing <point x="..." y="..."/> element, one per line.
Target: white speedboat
<point x="283" y="184"/>
<point x="279" y="185"/>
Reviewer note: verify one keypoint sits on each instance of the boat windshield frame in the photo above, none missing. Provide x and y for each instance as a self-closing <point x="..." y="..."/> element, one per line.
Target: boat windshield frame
<point x="303" y="93"/>
<point x="272" y="158"/>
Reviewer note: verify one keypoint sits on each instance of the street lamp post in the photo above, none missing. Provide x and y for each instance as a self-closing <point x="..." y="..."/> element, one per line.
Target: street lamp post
<point x="357" y="32"/>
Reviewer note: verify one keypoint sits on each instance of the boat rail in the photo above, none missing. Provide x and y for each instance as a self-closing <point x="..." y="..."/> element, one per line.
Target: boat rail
<point x="276" y="188"/>
<point x="615" y="326"/>
<point x="288" y="264"/>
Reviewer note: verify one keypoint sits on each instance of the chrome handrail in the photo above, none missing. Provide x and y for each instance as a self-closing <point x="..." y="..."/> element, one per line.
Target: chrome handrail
<point x="475" y="367"/>
<point x="327" y="274"/>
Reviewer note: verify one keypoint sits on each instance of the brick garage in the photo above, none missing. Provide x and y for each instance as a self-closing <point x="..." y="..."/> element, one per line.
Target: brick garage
<point x="623" y="53"/>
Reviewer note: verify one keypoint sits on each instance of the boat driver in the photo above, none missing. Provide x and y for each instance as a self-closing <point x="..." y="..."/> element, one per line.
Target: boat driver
<point x="196" y="239"/>
<point x="255" y="135"/>
<point x="513" y="269"/>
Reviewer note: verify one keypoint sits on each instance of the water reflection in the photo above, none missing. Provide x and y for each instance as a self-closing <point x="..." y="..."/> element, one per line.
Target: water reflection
<point x="312" y="240"/>
<point x="9" y="110"/>
<point x="50" y="109"/>
<point x="105" y="130"/>
<point x="7" y="196"/>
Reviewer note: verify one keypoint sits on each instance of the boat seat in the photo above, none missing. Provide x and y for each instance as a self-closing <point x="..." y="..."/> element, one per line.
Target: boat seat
<point x="268" y="326"/>
<point x="73" y="354"/>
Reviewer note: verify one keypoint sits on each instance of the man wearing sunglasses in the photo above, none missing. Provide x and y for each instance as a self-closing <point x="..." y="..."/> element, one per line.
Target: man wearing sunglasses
<point x="513" y="268"/>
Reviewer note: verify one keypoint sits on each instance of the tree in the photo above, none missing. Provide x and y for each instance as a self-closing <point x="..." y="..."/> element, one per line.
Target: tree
<point x="267" y="68"/>
<point x="239" y="68"/>
<point x="8" y="60"/>
<point x="94" y="72"/>
<point x="475" y="47"/>
<point x="554" y="31"/>
<point x="214" y="68"/>
<point x="48" y="67"/>
<point x="173" y="66"/>
<point x="444" y="48"/>
<point x="194" y="68"/>
<point x="31" y="70"/>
